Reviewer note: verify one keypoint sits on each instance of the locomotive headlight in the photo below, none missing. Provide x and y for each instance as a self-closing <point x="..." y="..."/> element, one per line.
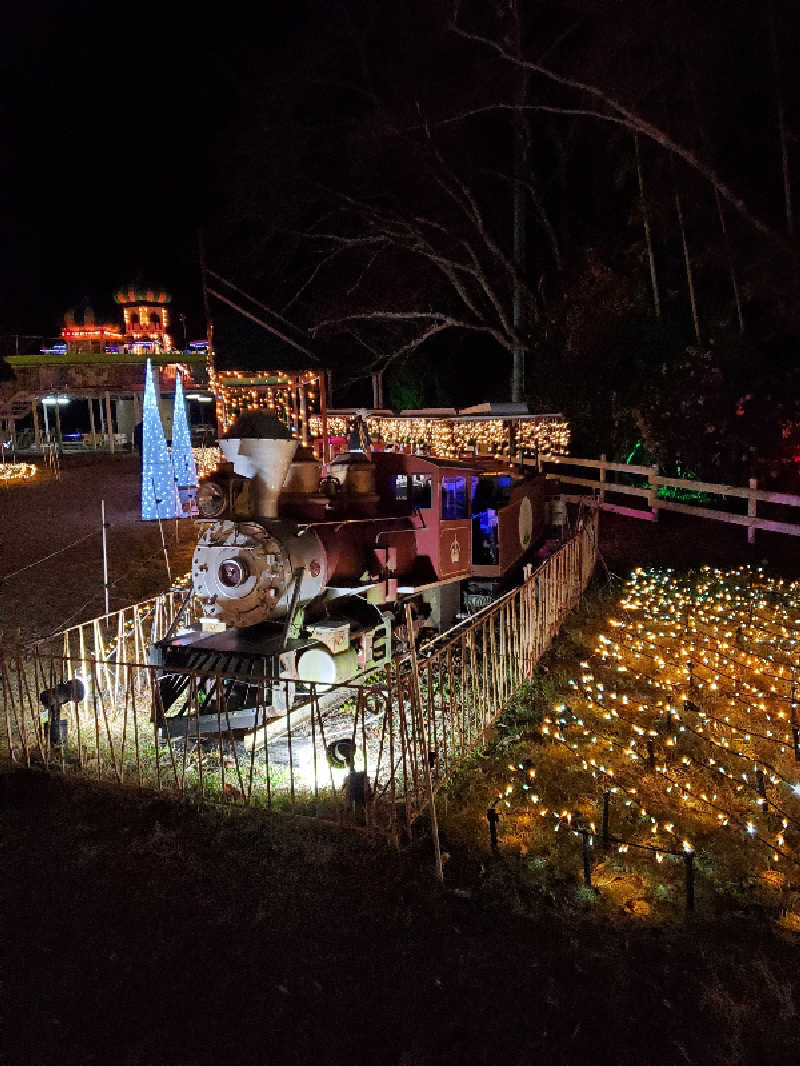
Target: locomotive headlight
<point x="233" y="573"/>
<point x="211" y="499"/>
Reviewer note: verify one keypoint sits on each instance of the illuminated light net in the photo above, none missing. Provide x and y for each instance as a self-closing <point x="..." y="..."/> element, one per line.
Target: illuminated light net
<point x="159" y="498"/>
<point x="182" y="454"/>
<point x="450" y="438"/>
<point x="237" y="391"/>
<point x="207" y="459"/>
<point x="17" y="471"/>
<point x="684" y="711"/>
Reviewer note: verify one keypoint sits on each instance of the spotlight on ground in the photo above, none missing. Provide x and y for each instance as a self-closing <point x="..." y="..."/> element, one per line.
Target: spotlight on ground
<point x="53" y="699"/>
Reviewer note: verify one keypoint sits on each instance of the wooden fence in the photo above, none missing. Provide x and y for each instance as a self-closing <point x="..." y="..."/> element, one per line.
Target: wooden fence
<point x="606" y="480"/>
<point x="377" y="750"/>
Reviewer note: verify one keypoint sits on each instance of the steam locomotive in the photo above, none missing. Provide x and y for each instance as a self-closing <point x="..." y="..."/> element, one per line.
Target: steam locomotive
<point x="303" y="571"/>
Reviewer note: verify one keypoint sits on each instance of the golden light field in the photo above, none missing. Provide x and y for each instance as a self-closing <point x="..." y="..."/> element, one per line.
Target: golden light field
<point x="677" y="711"/>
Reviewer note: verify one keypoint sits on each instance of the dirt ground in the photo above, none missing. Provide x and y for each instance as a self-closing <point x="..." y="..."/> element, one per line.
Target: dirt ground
<point x="48" y="515"/>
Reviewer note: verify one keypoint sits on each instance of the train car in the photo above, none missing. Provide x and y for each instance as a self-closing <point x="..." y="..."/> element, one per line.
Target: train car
<point x="303" y="570"/>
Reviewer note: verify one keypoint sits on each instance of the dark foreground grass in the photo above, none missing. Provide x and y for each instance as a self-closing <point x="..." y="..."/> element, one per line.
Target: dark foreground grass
<point x="139" y="931"/>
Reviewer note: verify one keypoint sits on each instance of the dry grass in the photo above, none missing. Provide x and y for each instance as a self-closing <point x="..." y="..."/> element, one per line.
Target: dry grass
<point x="139" y="930"/>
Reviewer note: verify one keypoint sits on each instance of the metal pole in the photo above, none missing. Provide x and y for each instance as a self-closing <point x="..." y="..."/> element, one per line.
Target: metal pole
<point x="161" y="531"/>
<point x="587" y="859"/>
<point x="105" y="551"/>
<point x="109" y="422"/>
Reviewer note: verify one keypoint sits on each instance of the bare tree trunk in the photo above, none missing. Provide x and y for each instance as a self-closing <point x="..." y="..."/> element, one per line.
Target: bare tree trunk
<point x="688" y="262"/>
<point x="519" y="310"/>
<point x="729" y="256"/>
<point x="776" y="69"/>
<point x="646" y="224"/>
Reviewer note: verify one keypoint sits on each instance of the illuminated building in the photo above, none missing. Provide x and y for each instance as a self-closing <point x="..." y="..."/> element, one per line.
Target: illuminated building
<point x="91" y="336"/>
<point x="146" y="320"/>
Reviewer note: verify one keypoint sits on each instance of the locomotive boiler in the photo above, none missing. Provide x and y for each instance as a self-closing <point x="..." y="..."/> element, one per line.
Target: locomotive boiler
<point x="301" y="570"/>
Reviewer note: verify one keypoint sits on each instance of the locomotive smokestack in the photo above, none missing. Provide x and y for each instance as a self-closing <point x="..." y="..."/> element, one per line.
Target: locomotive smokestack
<point x="261" y="448"/>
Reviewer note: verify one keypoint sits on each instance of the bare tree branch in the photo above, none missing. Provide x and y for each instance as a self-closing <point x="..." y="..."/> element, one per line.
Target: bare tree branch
<point x="635" y="121"/>
<point x="444" y="321"/>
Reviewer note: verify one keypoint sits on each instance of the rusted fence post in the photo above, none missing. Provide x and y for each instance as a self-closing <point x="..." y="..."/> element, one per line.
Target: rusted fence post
<point x="417" y="712"/>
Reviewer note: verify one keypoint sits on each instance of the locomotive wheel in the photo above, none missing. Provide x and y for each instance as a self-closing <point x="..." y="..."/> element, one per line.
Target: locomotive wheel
<point x="340" y="753"/>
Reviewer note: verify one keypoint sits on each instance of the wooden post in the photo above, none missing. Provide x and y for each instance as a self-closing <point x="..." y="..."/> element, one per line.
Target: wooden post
<point x="92" y="429"/>
<point x="389" y="712"/>
<point x="57" y="409"/>
<point x="303" y="413"/>
<point x="587" y="859"/>
<point x="793" y="718"/>
<point x="602" y="472"/>
<point x="689" y="860"/>
<point x="109" y="422"/>
<point x="652" y="496"/>
<point x="103" y="528"/>
<point x="510" y="438"/>
<point x="323" y="410"/>
<point x="762" y="790"/>
<point x="37" y="433"/>
<point x="752" y="503"/>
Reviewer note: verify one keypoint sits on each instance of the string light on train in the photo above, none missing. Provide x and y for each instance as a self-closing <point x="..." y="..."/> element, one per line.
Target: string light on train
<point x="452" y="438"/>
<point x="237" y="391"/>
<point x="207" y="460"/>
<point x="14" y="472"/>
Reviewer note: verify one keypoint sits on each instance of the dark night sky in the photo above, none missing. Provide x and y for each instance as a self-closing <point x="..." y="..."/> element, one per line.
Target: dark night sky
<point x="109" y="118"/>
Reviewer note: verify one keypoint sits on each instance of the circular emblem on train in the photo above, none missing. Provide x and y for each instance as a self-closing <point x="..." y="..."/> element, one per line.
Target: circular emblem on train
<point x="525" y="523"/>
<point x="455" y="550"/>
<point x="314" y="568"/>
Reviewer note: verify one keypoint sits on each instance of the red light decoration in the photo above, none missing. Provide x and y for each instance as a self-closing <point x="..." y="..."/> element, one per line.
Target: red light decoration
<point x="84" y="331"/>
<point x="132" y="295"/>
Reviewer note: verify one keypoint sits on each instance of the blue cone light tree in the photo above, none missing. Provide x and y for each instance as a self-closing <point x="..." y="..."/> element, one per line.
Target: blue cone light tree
<point x="158" y="476"/>
<point x="182" y="456"/>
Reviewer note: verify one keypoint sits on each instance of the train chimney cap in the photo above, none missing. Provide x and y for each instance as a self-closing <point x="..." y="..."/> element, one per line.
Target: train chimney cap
<point x="257" y="425"/>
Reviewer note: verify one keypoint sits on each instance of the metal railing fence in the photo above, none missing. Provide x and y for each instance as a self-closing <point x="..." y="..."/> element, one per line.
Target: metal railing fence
<point x="362" y="751"/>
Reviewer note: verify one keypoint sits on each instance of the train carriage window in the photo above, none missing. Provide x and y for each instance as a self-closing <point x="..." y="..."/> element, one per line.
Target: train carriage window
<point x="454" y="497"/>
<point x="413" y="488"/>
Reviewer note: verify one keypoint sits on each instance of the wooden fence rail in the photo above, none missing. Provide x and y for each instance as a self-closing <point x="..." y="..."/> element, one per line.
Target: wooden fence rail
<point x="601" y="486"/>
<point x="407" y="728"/>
